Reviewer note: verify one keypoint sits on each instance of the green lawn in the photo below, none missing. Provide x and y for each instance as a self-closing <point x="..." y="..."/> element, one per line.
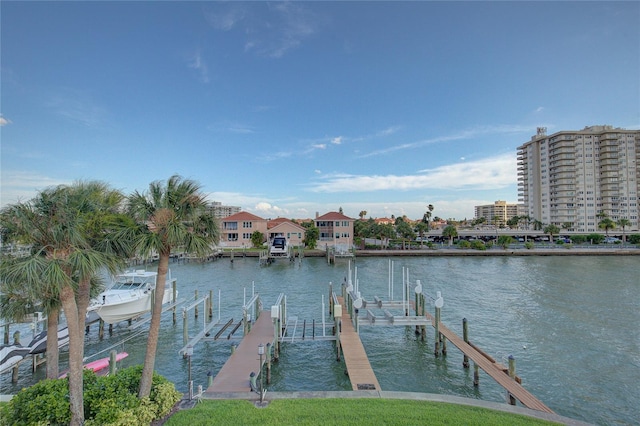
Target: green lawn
<point x="365" y="412"/>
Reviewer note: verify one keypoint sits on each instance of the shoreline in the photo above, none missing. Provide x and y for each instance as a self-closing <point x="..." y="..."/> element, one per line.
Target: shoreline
<point x="426" y="252"/>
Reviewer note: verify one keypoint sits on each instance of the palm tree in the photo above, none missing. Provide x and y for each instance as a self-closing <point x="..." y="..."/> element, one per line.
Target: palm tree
<point x="168" y="216"/>
<point x="450" y="232"/>
<point x="362" y="214"/>
<point x="551" y="230"/>
<point x="426" y="218"/>
<point x="422" y="227"/>
<point x="622" y="223"/>
<point x="63" y="264"/>
<point x="606" y="223"/>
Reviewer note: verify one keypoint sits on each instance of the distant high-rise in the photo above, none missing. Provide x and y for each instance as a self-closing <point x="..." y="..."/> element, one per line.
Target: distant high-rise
<point x="499" y="212"/>
<point x="220" y="211"/>
<point x="570" y="177"/>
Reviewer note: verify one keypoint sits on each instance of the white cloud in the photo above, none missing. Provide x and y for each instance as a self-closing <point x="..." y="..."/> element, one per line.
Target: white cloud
<point x="273" y="32"/>
<point x="198" y="63"/>
<point x="19" y="186"/>
<point x="77" y="106"/>
<point x="4" y="121"/>
<point x="462" y="135"/>
<point x="337" y="140"/>
<point x="489" y="173"/>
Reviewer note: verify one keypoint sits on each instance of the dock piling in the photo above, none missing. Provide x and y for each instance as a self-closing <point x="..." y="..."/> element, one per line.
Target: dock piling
<point x="465" y="337"/>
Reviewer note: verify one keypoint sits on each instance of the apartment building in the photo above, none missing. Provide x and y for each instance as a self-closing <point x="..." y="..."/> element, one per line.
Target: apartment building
<point x="499" y="211"/>
<point x="569" y="177"/>
<point x="221" y="211"/>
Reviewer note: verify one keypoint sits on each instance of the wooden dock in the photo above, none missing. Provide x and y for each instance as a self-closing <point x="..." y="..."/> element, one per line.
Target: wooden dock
<point x="359" y="368"/>
<point x="495" y="370"/>
<point x="234" y="374"/>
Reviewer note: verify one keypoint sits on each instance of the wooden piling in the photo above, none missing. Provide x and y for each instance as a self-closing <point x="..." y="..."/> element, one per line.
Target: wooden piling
<point x="195" y="309"/>
<point x="175" y="297"/>
<point x="437" y="333"/>
<point x="112" y="362"/>
<point x="476" y="374"/>
<point x="5" y="340"/>
<point x="101" y="329"/>
<point x="269" y="363"/>
<point x="210" y="304"/>
<point x="512" y="374"/>
<point x="465" y="337"/>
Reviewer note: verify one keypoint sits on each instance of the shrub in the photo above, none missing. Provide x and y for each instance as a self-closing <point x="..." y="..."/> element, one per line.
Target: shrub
<point x="634" y="239"/>
<point x="478" y="245"/>
<point x="579" y="239"/>
<point x="464" y="244"/>
<point x="528" y="245"/>
<point x="109" y="400"/>
<point x="595" y="238"/>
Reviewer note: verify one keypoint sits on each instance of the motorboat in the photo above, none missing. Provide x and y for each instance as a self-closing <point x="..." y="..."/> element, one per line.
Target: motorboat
<point x="38" y="344"/>
<point x="279" y="248"/>
<point x="10" y="355"/>
<point x="129" y="297"/>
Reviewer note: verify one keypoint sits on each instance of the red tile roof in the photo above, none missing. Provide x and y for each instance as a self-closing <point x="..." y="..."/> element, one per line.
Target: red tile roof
<point x="333" y="216"/>
<point x="242" y="216"/>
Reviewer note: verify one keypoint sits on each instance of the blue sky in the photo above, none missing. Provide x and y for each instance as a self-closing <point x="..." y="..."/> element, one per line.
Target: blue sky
<point x="287" y="109"/>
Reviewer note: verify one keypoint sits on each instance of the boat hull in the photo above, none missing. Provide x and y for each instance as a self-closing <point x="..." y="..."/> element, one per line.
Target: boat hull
<point x="127" y="307"/>
<point x="10" y="355"/>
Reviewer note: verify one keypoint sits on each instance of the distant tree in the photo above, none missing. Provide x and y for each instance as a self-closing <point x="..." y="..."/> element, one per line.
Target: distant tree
<point x="623" y="223"/>
<point x="504" y="241"/>
<point x="537" y="225"/>
<point x="606" y="223"/>
<point x="362" y="214"/>
<point x="311" y="235"/>
<point x="567" y="225"/>
<point x="551" y="230"/>
<point x="426" y="218"/>
<point x="340" y="210"/>
<point x="404" y="230"/>
<point x="450" y="232"/>
<point x="257" y="239"/>
<point x="421" y="229"/>
<point x="386" y="232"/>
<point x="513" y="222"/>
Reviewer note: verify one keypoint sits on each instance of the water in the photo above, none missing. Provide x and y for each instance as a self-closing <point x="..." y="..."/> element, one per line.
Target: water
<point x="570" y="322"/>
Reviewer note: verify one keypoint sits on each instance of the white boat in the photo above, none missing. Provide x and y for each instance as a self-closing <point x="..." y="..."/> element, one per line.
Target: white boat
<point x="279" y="248"/>
<point x="129" y="297"/>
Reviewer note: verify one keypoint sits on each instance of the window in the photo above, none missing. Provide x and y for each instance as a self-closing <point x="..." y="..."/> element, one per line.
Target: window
<point x="247" y="224"/>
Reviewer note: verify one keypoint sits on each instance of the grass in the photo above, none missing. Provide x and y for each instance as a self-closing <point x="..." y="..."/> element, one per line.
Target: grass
<point x="365" y="412"/>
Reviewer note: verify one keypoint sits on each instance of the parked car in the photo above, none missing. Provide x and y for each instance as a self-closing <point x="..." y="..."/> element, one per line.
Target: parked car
<point x="612" y="240"/>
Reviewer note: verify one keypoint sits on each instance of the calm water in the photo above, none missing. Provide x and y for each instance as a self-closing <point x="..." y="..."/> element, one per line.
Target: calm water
<point x="570" y="322"/>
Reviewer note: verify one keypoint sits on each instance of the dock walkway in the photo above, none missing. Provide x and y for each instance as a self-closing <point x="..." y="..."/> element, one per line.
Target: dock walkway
<point x="359" y="368"/>
<point x="234" y="374"/>
<point x="493" y="369"/>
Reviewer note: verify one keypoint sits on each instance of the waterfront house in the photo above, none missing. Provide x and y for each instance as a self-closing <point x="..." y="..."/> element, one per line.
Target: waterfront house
<point x="334" y="230"/>
<point x="282" y="227"/>
<point x="236" y="230"/>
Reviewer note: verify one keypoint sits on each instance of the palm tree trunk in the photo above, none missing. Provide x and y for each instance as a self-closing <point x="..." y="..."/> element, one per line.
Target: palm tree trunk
<point x="67" y="297"/>
<point x="154" y="327"/>
<point x="52" y="344"/>
<point x="82" y="303"/>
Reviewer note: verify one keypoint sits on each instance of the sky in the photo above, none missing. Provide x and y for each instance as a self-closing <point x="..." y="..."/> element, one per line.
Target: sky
<point x="288" y="109"/>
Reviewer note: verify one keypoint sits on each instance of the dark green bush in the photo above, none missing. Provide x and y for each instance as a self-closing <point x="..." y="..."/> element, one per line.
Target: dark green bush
<point x="109" y="400"/>
<point x="634" y="239"/>
<point x="464" y="244"/>
<point x="579" y="239"/>
<point x="528" y="245"/>
<point x="478" y="245"/>
<point x="595" y="238"/>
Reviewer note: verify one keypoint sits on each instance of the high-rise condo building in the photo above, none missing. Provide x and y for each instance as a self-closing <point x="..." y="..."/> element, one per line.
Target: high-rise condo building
<point x="499" y="212"/>
<point x="570" y="177"/>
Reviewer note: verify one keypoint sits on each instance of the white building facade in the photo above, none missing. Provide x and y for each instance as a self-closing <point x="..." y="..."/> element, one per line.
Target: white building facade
<point x="569" y="177"/>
